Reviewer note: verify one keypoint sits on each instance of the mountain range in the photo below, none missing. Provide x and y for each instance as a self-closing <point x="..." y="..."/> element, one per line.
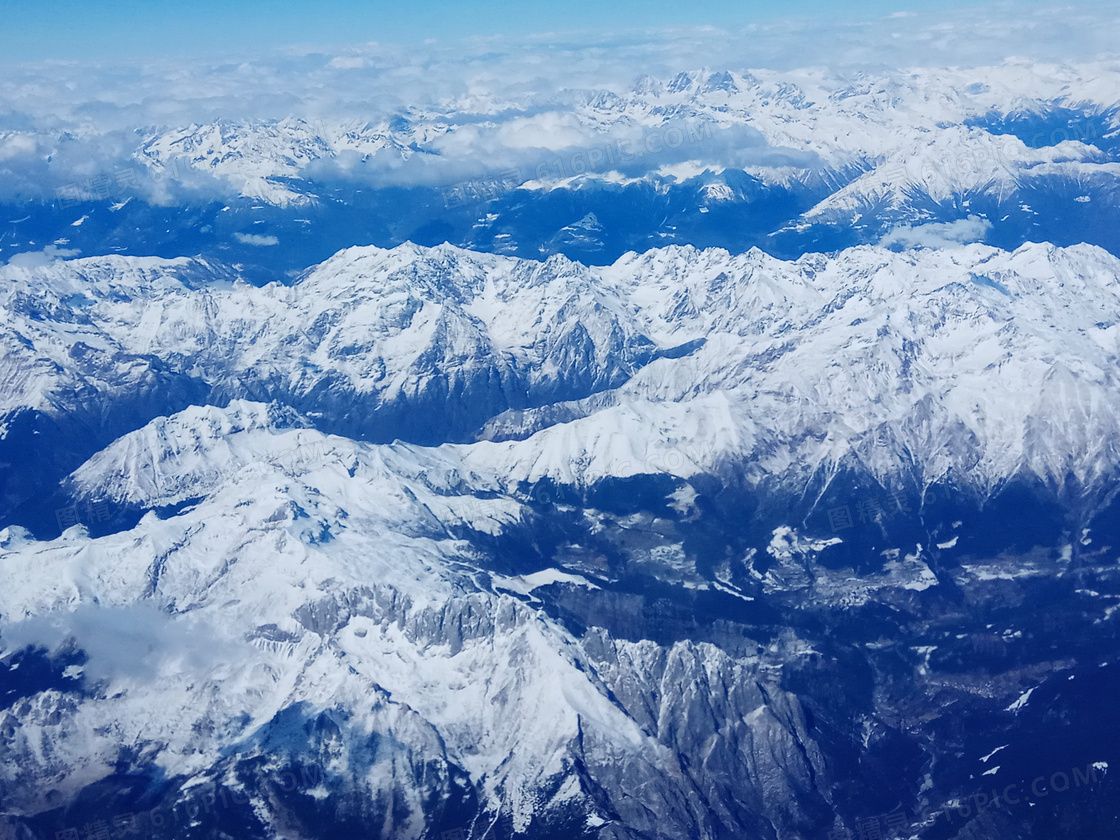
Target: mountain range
<point x="430" y="542"/>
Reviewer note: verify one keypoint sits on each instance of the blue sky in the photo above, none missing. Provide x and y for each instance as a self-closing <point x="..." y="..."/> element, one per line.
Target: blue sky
<point x="33" y="30"/>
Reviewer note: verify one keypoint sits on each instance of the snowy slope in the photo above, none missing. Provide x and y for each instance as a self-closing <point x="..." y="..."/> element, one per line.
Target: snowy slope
<point x="907" y="366"/>
<point x="916" y="128"/>
<point x="258" y="157"/>
<point x="323" y="572"/>
<point x="412" y="616"/>
<point x="963" y="162"/>
<point x="379" y="331"/>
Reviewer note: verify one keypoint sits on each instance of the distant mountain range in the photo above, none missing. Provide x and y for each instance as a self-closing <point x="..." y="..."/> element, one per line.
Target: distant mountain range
<point x="791" y="162"/>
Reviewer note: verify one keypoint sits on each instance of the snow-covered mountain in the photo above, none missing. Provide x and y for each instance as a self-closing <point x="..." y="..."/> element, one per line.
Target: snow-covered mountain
<point x="258" y="157"/>
<point x="428" y="540"/>
<point x="792" y="162"/>
<point x="482" y="441"/>
<point x="325" y="572"/>
<point x="932" y="131"/>
<point x="928" y="352"/>
<point x="841" y="118"/>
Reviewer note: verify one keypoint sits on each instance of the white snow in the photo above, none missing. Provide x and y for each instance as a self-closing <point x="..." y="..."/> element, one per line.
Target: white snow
<point x="993" y="752"/>
<point x="742" y="394"/>
<point x="1021" y="703"/>
<point x="525" y="584"/>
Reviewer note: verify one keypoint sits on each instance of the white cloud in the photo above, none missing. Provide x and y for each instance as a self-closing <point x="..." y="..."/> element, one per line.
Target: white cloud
<point x="256" y="239"/>
<point x="136" y="641"/>
<point x="938" y="234"/>
<point x="17" y="144"/>
<point x="348" y="62"/>
<point x="550" y="130"/>
<point x="34" y="259"/>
